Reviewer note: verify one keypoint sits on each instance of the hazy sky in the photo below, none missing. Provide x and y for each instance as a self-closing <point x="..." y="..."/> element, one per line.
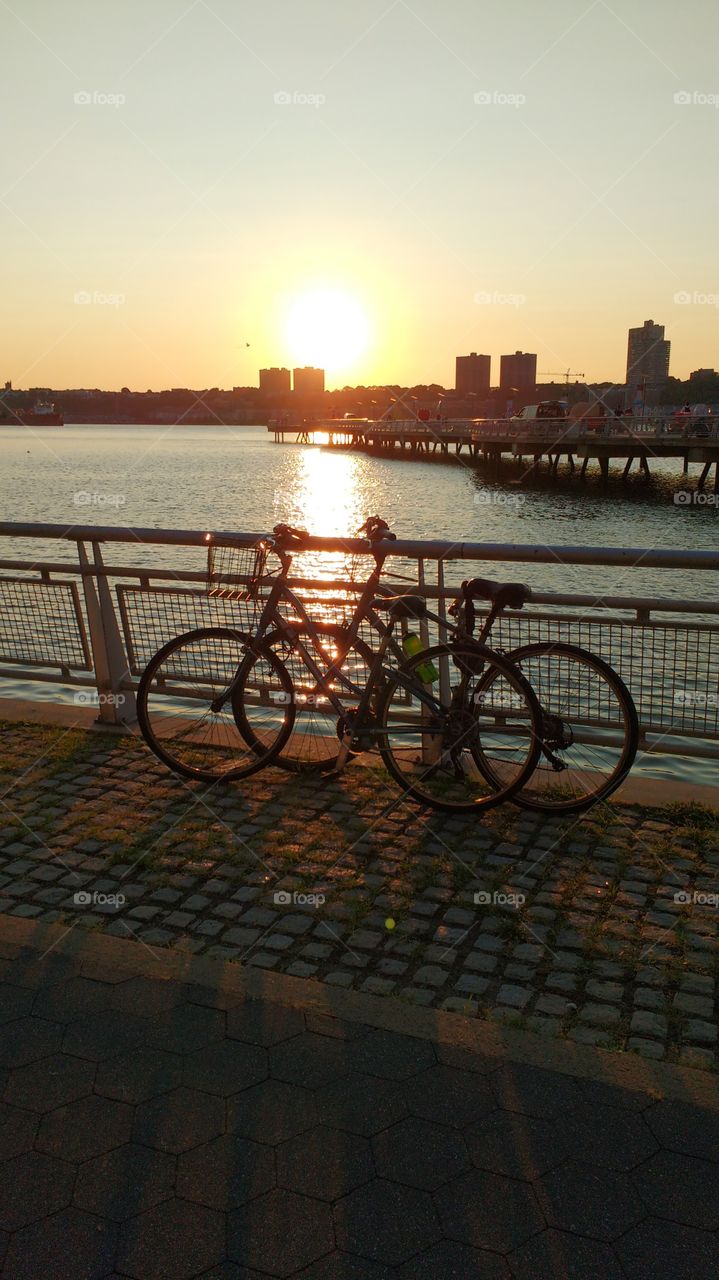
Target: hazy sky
<point x="469" y="176"/>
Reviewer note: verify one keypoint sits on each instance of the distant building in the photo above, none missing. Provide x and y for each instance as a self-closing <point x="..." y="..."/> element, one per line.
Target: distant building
<point x="700" y="375"/>
<point x="308" y="381"/>
<point x="472" y="374"/>
<point x="275" y="382"/>
<point x="518" y="371"/>
<point x="647" y="356"/>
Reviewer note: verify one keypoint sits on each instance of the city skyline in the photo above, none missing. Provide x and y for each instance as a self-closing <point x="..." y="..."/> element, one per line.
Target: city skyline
<point x="186" y="198"/>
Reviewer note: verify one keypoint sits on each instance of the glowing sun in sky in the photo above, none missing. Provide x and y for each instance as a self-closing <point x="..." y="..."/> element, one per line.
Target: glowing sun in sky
<point x="328" y="328"/>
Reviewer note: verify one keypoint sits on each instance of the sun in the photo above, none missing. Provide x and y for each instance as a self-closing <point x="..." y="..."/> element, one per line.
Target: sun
<point x="328" y="328"/>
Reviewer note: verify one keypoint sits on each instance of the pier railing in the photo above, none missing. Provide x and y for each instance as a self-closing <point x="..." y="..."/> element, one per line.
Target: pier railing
<point x="75" y="613"/>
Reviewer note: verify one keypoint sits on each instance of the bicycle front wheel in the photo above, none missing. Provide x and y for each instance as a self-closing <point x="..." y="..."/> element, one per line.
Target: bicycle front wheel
<point x="590" y="729"/>
<point x="432" y="735"/>
<point x="186" y="705"/>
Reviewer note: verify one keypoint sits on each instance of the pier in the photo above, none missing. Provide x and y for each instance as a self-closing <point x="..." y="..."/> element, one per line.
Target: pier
<point x="635" y="442"/>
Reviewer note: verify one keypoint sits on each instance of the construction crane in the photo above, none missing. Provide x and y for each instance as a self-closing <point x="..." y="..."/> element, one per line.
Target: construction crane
<point x="561" y="373"/>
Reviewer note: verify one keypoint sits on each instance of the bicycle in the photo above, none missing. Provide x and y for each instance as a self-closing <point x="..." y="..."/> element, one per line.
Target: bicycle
<point x="589" y="726"/>
<point x="434" y="729"/>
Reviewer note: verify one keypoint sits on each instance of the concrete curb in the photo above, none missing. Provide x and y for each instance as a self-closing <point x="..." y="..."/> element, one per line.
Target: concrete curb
<point x="101" y="955"/>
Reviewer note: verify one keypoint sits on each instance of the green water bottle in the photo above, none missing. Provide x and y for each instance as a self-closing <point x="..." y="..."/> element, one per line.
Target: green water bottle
<point x="412" y="645"/>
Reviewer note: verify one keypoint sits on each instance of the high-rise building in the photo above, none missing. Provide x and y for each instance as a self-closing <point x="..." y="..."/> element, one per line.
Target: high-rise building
<point x="472" y="374"/>
<point x="308" y="381"/>
<point x="647" y="355"/>
<point x="275" y="382"/>
<point x="518" y="372"/>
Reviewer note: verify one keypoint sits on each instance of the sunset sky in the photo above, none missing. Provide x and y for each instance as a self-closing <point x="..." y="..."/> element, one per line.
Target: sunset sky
<point x="444" y="178"/>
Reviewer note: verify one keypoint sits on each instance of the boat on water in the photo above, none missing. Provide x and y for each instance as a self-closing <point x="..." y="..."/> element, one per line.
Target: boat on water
<point x="42" y="414"/>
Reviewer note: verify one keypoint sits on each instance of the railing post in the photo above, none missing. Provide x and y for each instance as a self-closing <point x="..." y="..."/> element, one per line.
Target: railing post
<point x="117" y="703"/>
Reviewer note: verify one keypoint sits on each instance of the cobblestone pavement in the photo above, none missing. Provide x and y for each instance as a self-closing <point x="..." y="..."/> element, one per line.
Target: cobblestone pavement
<point x="164" y="1129"/>
<point x="602" y="929"/>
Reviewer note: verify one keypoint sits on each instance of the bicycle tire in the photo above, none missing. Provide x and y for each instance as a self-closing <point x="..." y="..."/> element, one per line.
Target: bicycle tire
<point x="315" y="751"/>
<point x="531" y="796"/>
<point x="413" y="775"/>
<point x="174" y="733"/>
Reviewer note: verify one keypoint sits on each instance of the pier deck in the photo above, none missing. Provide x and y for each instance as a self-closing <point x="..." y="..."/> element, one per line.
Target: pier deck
<point x="489" y="441"/>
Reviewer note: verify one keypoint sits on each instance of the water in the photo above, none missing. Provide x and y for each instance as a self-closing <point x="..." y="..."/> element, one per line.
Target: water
<point x="239" y="479"/>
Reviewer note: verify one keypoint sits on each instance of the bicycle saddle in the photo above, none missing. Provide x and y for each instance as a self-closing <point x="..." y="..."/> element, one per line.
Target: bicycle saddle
<point x="503" y="595"/>
<point x="404" y="606"/>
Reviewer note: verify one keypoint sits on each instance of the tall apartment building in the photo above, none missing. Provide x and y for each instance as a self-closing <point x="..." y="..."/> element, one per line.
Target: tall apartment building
<point x="518" y="371"/>
<point x="472" y="374"/>
<point x="275" y="382"/>
<point x="647" y="355"/>
<point x="308" y="381"/>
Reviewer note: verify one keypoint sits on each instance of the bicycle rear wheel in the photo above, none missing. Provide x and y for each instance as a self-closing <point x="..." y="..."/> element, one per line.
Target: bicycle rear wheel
<point x="590" y="729"/>
<point x="314" y="741"/>
<point x="186" y="711"/>
<point x="431" y="736"/>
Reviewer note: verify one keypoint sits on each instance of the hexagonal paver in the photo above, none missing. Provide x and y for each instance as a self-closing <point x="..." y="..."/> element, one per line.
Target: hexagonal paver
<point x="679" y="1126"/>
<point x="34" y="1185"/>
<point x="592" y="1202"/>
<point x="146" y="997"/>
<point x="226" y="1172"/>
<point x="613" y="1095"/>
<point x="280" y="1232"/>
<point x="144" y="1073"/>
<point x="488" y="1212"/>
<point x="74" y="998"/>
<point x="186" y="1028"/>
<point x="17" y="1130"/>
<point x="518" y="1146"/>
<point x="533" y="1091"/>
<point x="44" y="1085"/>
<point x="456" y="1055"/>
<point x="15" y="1002"/>
<point x="310" y="1060"/>
<point x="386" y="1222"/>
<point x="449" y="1096"/>
<point x="603" y="1136"/>
<point x="271" y="1112"/>
<point x="326" y="1024"/>
<point x="556" y="1253"/>
<point x="125" y="1181"/>
<point x="682" y="1188"/>
<point x="396" y="1057"/>
<point x="342" y="1266"/>
<point x="655" y="1249"/>
<point x="265" y="1023"/>
<point x="227" y="1271"/>
<point x="85" y="1128"/>
<point x="363" y="1104"/>
<point x="226" y="1067"/>
<point x="28" y="1040"/>
<point x="327" y="1162"/>
<point x="458" y="1261"/>
<point x="69" y="1243"/>
<point x="174" y="1239"/>
<point x="104" y="1035"/>
<point x="420" y="1154"/>
<point x="180" y="1120"/>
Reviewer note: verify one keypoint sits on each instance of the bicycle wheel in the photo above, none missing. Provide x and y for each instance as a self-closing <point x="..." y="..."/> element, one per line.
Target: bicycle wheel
<point x="590" y="729"/>
<point x="185" y="705"/>
<point x="431" y="735"/>
<point x="314" y="740"/>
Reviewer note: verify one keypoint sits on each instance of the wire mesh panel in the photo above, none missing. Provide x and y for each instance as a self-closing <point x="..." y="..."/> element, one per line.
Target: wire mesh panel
<point x="151" y="616"/>
<point x="41" y="624"/>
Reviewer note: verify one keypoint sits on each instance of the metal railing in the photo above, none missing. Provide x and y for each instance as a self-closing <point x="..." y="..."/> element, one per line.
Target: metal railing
<point x="89" y="624"/>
